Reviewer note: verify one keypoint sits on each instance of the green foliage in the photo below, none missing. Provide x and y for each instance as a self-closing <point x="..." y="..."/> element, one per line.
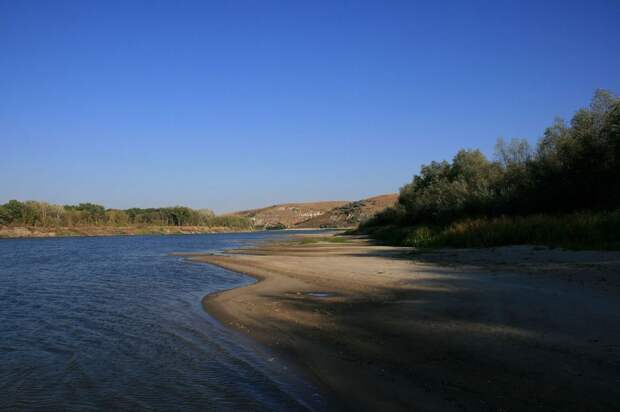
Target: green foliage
<point x="5" y="217"/>
<point x="31" y="213"/>
<point x="574" y="168"/>
<point x="445" y="191"/>
<point x="577" y="166"/>
<point x="582" y="230"/>
<point x="88" y="213"/>
<point x="13" y="210"/>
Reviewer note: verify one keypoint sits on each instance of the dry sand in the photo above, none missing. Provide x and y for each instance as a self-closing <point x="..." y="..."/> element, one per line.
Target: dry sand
<point x="516" y="328"/>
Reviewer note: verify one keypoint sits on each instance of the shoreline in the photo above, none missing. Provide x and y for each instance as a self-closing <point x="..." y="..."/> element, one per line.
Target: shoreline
<point x="27" y="232"/>
<point x="446" y="330"/>
<point x="32" y="232"/>
<point x="326" y="400"/>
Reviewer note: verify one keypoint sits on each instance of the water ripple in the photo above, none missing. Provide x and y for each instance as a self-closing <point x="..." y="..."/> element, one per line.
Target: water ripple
<point x="116" y="323"/>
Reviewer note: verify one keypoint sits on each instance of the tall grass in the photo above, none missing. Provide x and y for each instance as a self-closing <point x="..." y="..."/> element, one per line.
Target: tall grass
<point x="584" y="230"/>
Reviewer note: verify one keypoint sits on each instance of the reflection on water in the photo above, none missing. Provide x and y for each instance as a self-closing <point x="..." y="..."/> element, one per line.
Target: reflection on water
<point x="116" y="323"/>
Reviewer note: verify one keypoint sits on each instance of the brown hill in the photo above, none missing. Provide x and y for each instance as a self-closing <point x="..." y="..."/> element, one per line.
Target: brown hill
<point x="288" y="214"/>
<point x="318" y="214"/>
<point x="352" y="213"/>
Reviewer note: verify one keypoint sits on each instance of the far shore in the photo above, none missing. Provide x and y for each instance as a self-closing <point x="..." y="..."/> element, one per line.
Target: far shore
<point x="15" y="232"/>
<point x="12" y="232"/>
<point x="387" y="328"/>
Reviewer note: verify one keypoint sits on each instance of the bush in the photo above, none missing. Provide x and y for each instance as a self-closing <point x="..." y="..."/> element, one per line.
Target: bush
<point x="582" y="230"/>
<point x="472" y="200"/>
<point x="31" y="213"/>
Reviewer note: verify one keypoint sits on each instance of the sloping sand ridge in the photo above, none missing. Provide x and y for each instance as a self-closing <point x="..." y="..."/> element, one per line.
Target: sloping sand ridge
<point x="384" y="328"/>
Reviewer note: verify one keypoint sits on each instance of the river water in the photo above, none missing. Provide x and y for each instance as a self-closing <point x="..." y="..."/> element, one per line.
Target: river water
<point x="116" y="323"/>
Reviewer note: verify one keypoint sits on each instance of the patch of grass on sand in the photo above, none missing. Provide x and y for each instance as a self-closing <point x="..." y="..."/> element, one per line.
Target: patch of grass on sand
<point x="329" y="239"/>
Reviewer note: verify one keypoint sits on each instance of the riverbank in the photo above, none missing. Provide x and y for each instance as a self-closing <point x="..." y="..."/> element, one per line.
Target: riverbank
<point x="42" y="232"/>
<point x="576" y="231"/>
<point x="384" y="329"/>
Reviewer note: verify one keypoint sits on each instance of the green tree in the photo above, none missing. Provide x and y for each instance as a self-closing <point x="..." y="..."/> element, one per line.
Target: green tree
<point x="5" y="217"/>
<point x="14" y="211"/>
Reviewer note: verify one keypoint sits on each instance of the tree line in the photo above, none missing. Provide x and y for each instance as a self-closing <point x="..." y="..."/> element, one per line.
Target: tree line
<point x="42" y="214"/>
<point x="574" y="167"/>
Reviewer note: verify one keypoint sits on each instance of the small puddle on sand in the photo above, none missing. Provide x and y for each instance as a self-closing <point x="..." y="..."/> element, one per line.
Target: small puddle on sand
<point x="319" y="294"/>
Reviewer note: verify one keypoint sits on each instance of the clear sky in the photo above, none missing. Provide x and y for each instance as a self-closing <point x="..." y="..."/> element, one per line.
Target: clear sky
<point x="238" y="104"/>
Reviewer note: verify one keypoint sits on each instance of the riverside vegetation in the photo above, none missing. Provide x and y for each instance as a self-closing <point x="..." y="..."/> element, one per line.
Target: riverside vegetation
<point x="564" y="192"/>
<point x="89" y="218"/>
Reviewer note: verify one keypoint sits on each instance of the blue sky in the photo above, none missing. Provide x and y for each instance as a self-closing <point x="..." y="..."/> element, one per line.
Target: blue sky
<point x="238" y="104"/>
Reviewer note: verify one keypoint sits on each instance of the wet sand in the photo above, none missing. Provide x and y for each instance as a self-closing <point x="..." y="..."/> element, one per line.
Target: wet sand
<point x="516" y="328"/>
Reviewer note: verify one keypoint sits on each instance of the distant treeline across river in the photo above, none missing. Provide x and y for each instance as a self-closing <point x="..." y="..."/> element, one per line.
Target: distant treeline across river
<point x="45" y="215"/>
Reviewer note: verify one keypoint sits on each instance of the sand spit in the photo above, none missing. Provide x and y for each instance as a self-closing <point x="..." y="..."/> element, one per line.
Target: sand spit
<point x="384" y="328"/>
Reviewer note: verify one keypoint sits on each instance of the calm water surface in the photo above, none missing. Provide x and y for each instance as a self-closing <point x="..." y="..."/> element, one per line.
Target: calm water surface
<point x="116" y="323"/>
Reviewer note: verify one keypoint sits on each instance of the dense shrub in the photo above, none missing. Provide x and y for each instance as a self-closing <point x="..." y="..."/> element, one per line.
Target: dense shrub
<point x="579" y="230"/>
<point x="446" y="191"/>
<point x="31" y="213"/>
<point x="573" y="168"/>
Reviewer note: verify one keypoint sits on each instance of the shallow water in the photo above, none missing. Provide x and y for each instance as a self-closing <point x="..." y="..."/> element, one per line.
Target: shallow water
<point x="116" y="323"/>
<point x="319" y="294"/>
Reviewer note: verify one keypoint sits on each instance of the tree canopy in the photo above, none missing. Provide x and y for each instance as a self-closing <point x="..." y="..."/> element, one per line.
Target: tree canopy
<point x="574" y="167"/>
<point x="32" y="213"/>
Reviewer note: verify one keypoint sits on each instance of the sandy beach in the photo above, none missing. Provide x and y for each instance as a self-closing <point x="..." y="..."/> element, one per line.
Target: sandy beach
<point x="386" y="328"/>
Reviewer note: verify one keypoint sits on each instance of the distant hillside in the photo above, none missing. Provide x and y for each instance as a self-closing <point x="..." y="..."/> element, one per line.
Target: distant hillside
<point x="288" y="214"/>
<point x="351" y="214"/>
<point x="317" y="214"/>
